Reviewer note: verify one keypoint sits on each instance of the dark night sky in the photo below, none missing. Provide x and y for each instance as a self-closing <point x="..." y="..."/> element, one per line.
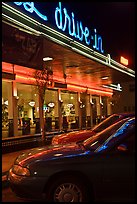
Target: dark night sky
<point x="115" y="22"/>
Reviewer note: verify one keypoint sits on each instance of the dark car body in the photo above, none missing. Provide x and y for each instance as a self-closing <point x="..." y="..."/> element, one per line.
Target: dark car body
<point x="81" y="135"/>
<point x="102" y="168"/>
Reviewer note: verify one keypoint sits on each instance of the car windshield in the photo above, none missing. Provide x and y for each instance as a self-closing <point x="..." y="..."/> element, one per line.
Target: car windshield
<point x="110" y="120"/>
<point x="106" y="123"/>
<point x="127" y="129"/>
<point x="98" y="139"/>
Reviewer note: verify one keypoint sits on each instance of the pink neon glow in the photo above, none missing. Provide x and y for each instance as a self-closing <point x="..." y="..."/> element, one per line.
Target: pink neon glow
<point x="90" y="90"/>
<point x="26" y="75"/>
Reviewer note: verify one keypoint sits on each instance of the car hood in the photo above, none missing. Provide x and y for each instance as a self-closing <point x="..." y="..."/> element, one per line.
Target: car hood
<point x="49" y="153"/>
<point x="72" y="136"/>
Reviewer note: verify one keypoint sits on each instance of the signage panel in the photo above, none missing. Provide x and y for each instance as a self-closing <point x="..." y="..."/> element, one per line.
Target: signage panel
<point x="21" y="48"/>
<point x="65" y="22"/>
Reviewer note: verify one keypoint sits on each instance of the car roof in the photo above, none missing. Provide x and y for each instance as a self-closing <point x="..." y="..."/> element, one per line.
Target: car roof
<point x="121" y="122"/>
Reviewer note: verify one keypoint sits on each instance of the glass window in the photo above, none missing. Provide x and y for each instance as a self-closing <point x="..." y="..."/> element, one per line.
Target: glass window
<point x="69" y="110"/>
<point x="28" y="109"/>
<point x="88" y="112"/>
<point x="51" y="110"/>
<point x="7" y="109"/>
<point x="96" y="110"/>
<point x="104" y="107"/>
<point x="106" y="123"/>
<point x="83" y="107"/>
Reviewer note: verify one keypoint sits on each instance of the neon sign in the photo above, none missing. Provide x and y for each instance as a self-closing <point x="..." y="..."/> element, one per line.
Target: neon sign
<point x="113" y="86"/>
<point x="76" y="29"/>
<point x="67" y="23"/>
<point x="70" y="22"/>
<point x="29" y="6"/>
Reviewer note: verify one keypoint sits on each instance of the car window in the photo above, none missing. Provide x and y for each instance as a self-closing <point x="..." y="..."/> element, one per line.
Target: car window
<point x="129" y="142"/>
<point x="126" y="145"/>
<point x="125" y="133"/>
<point x="106" y="123"/>
<point x="98" y="139"/>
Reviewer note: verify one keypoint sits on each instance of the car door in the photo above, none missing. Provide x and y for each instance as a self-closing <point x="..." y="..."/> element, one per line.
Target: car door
<point x="118" y="176"/>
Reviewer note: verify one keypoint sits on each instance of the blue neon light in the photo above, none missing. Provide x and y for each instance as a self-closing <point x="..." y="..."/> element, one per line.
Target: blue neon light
<point x="67" y="23"/>
<point x="29" y="6"/>
<point x="103" y="147"/>
<point x="118" y="134"/>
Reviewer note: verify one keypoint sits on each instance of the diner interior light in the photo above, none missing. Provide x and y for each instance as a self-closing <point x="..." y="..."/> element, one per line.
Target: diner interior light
<point x="100" y="100"/>
<point x="105" y="77"/>
<point x="51" y="104"/>
<point x="47" y="59"/>
<point x="32" y="103"/>
<point x="91" y="100"/>
<point x="70" y="105"/>
<point x="6" y="102"/>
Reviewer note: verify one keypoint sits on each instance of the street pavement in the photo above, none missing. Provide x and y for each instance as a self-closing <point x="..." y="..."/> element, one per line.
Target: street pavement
<point x="7" y="161"/>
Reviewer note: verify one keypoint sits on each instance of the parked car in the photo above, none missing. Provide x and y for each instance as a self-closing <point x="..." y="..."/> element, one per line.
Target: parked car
<point x="81" y="135"/>
<point x="101" y="168"/>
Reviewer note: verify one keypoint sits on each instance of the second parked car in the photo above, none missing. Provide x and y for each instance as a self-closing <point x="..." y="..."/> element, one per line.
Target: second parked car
<point x="81" y="135"/>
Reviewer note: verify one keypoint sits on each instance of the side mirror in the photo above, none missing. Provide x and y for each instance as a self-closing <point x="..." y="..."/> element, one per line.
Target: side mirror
<point x="122" y="148"/>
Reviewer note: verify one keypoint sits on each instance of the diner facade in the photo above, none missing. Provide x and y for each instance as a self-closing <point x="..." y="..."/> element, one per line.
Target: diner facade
<point x="77" y="95"/>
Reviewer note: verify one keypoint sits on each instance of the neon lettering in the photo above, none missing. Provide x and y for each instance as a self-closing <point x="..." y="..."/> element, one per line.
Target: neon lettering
<point x="81" y="29"/>
<point x="58" y="11"/>
<point x="73" y="23"/>
<point x="75" y="28"/>
<point x="64" y="21"/>
<point x="97" y="41"/>
<point x="87" y="35"/>
<point x="67" y="23"/>
<point x="29" y="6"/>
<point x="100" y="44"/>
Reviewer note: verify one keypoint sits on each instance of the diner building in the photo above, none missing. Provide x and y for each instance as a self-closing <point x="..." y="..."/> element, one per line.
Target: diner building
<point x="83" y="84"/>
